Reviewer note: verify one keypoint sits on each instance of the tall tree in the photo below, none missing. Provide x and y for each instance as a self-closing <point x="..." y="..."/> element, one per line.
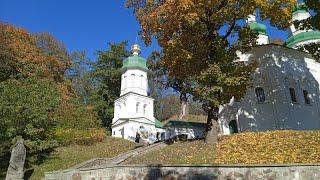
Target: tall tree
<point x="79" y="73"/>
<point x="200" y="39"/>
<point x="106" y="72"/>
<point x="51" y="47"/>
<point x="35" y="97"/>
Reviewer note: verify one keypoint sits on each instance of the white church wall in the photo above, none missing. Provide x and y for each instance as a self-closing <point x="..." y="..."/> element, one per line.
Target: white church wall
<point x="279" y="69"/>
<point x="134" y="80"/>
<point x="145" y="130"/>
<point x="118" y="131"/>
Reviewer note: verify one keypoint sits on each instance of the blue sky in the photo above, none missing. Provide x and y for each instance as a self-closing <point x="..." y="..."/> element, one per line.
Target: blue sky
<point x="81" y="24"/>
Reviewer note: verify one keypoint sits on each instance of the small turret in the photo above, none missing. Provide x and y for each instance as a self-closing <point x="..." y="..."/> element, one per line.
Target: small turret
<point x="259" y="28"/>
<point x="299" y="37"/>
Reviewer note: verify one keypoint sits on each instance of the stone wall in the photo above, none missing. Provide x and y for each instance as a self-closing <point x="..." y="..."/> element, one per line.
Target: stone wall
<point x="203" y="172"/>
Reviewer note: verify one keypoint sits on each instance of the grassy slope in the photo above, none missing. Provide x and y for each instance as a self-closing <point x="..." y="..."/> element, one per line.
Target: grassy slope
<point x="65" y="157"/>
<point x="195" y="152"/>
<point x="248" y="148"/>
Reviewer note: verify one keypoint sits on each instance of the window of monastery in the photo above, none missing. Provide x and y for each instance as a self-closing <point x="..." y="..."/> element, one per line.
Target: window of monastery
<point x="306" y="97"/>
<point x="137" y="107"/>
<point x="144" y="109"/>
<point x="141" y="81"/>
<point x="124" y="82"/>
<point x="293" y="95"/>
<point x="260" y="95"/>
<point x="133" y="77"/>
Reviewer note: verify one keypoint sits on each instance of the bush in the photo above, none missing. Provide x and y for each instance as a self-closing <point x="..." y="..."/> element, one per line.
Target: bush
<point x="66" y="136"/>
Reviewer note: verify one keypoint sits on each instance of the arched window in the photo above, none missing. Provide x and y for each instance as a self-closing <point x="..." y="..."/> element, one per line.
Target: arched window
<point x="144" y="109"/>
<point x="306" y="96"/>
<point x="137" y="107"/>
<point x="260" y="95"/>
<point x="141" y="81"/>
<point x="293" y="95"/>
<point x="133" y="77"/>
<point x="124" y="82"/>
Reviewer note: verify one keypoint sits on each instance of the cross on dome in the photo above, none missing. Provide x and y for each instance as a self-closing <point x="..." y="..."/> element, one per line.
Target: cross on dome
<point x="135" y="49"/>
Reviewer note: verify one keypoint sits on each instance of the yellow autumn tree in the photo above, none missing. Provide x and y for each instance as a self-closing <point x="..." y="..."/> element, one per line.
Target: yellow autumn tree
<point x="199" y="41"/>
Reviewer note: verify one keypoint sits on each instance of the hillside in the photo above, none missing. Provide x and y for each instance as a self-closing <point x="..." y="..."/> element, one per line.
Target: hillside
<point x="65" y="157"/>
<point x="277" y="147"/>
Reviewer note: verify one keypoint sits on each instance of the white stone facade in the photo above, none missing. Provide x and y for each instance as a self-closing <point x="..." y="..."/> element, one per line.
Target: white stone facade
<point x="269" y="104"/>
<point x="133" y="111"/>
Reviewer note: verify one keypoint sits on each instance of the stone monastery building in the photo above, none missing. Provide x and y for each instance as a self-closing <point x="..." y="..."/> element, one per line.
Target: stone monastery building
<point x="285" y="92"/>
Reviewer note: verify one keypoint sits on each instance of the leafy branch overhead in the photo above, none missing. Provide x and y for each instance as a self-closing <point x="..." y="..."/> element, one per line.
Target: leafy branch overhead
<point x="200" y="39"/>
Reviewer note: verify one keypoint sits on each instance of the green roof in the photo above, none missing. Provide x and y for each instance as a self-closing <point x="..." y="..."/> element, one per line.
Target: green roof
<point x="301" y="7"/>
<point x="258" y="27"/>
<point x="158" y="124"/>
<point x="135" y="62"/>
<point x="176" y="123"/>
<point x="303" y="36"/>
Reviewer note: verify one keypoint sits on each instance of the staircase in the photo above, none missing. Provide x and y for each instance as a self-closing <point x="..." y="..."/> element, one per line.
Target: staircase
<point x="120" y="159"/>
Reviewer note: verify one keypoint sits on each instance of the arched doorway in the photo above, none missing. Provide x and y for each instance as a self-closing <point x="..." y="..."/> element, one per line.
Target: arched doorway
<point x="233" y="128"/>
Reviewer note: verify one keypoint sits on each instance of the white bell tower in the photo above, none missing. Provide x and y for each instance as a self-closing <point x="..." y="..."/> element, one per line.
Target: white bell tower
<point x="133" y="110"/>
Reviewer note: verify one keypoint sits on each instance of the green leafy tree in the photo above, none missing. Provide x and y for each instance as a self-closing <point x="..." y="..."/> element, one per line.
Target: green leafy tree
<point x="106" y="72"/>
<point x="25" y="108"/>
<point x="79" y="74"/>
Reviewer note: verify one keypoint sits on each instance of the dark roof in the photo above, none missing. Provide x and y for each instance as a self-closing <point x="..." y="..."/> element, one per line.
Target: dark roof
<point x="176" y="123"/>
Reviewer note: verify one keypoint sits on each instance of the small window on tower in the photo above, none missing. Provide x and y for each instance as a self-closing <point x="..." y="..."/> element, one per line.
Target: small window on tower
<point x="137" y="107"/>
<point x="306" y="96"/>
<point x="144" y="109"/>
<point x="293" y="95"/>
<point x="260" y="95"/>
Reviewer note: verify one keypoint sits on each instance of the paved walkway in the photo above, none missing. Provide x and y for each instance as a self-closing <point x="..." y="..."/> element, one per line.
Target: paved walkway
<point x="120" y="159"/>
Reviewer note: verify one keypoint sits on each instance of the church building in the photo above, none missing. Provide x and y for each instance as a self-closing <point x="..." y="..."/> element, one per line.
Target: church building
<point x="133" y="110"/>
<point x="285" y="91"/>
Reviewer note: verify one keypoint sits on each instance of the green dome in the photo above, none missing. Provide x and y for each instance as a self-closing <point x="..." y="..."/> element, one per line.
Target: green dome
<point x="303" y="36"/>
<point x="301" y="7"/>
<point x="258" y="27"/>
<point x="135" y="62"/>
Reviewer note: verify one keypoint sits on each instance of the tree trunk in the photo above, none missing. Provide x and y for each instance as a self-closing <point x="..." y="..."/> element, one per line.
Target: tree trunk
<point x="184" y="106"/>
<point x="212" y="126"/>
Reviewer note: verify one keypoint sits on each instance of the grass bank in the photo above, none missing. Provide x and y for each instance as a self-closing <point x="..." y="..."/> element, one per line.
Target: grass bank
<point x="65" y="157"/>
<point x="271" y="147"/>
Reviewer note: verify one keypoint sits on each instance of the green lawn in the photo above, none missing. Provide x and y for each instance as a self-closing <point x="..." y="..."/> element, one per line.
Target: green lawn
<point x="275" y="147"/>
<point x="65" y="157"/>
<point x="195" y="152"/>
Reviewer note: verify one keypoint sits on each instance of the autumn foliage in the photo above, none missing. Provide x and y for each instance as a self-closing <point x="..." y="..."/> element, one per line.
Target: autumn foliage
<point x="273" y="147"/>
<point x="35" y="95"/>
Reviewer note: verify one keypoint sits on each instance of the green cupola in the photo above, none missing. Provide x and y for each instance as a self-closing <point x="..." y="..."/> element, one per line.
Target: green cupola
<point x="255" y="26"/>
<point x="300" y="37"/>
<point x="258" y="27"/>
<point x="135" y="61"/>
<point x="300" y="8"/>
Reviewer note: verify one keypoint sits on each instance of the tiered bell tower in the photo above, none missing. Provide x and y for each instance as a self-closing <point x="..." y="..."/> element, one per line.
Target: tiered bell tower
<point x="133" y="110"/>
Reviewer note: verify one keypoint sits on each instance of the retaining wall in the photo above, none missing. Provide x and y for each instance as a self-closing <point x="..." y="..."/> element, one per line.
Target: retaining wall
<point x="203" y="172"/>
